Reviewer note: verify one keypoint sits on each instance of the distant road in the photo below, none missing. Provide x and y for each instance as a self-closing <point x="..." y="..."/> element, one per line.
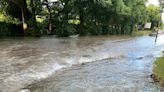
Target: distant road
<point x="161" y="32"/>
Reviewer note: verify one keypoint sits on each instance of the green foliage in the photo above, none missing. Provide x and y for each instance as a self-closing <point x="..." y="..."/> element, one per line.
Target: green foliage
<point x="154" y="15"/>
<point x="74" y="21"/>
<point x="4" y="29"/>
<point x="66" y="30"/>
<point x="13" y="10"/>
<point x="2" y="17"/>
<point x="84" y="17"/>
<point x="10" y="29"/>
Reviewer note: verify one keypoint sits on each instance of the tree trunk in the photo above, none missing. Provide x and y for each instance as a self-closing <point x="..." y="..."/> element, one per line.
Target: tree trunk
<point x="50" y="24"/>
<point x="23" y="6"/>
<point x="24" y="25"/>
<point x="81" y="25"/>
<point x="50" y="18"/>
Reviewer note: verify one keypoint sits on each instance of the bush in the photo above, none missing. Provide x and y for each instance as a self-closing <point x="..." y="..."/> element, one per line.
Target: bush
<point x="10" y="29"/>
<point x="4" y="29"/>
<point x="65" y="30"/>
<point x="33" y="28"/>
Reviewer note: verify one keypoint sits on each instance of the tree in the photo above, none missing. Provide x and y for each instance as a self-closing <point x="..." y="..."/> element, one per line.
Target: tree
<point x="22" y="4"/>
<point x="95" y="17"/>
<point x="154" y="15"/>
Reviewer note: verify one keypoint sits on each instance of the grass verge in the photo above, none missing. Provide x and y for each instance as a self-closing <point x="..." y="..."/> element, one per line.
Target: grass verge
<point x="141" y="32"/>
<point x="159" y="70"/>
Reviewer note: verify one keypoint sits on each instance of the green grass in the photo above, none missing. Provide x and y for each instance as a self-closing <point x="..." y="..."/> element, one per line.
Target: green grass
<point x="159" y="70"/>
<point x="141" y="32"/>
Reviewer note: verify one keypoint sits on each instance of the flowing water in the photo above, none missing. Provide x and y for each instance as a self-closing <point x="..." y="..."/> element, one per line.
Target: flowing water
<point x="83" y="64"/>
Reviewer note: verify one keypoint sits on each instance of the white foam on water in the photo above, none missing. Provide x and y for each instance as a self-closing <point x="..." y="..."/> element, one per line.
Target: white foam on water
<point x="25" y="90"/>
<point x="47" y="54"/>
<point x="46" y="72"/>
<point x="20" y="80"/>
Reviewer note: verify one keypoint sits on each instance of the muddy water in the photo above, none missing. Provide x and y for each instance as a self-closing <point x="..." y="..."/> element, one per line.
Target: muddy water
<point x="117" y="64"/>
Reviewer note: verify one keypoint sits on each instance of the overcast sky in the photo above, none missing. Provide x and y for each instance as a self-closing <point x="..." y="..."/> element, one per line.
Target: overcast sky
<point x="154" y="2"/>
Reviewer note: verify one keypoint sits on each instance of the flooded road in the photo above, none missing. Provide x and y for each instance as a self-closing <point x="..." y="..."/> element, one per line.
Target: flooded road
<point x="117" y="64"/>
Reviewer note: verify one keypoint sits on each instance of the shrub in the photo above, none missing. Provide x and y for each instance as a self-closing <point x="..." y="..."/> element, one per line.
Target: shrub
<point x="65" y="30"/>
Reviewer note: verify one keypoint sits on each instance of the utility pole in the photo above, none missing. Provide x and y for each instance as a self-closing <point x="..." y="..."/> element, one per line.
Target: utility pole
<point x="156" y="35"/>
<point x="161" y="6"/>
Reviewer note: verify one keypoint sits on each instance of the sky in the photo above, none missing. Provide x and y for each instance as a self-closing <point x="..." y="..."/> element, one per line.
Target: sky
<point x="154" y="2"/>
<point x="52" y="0"/>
